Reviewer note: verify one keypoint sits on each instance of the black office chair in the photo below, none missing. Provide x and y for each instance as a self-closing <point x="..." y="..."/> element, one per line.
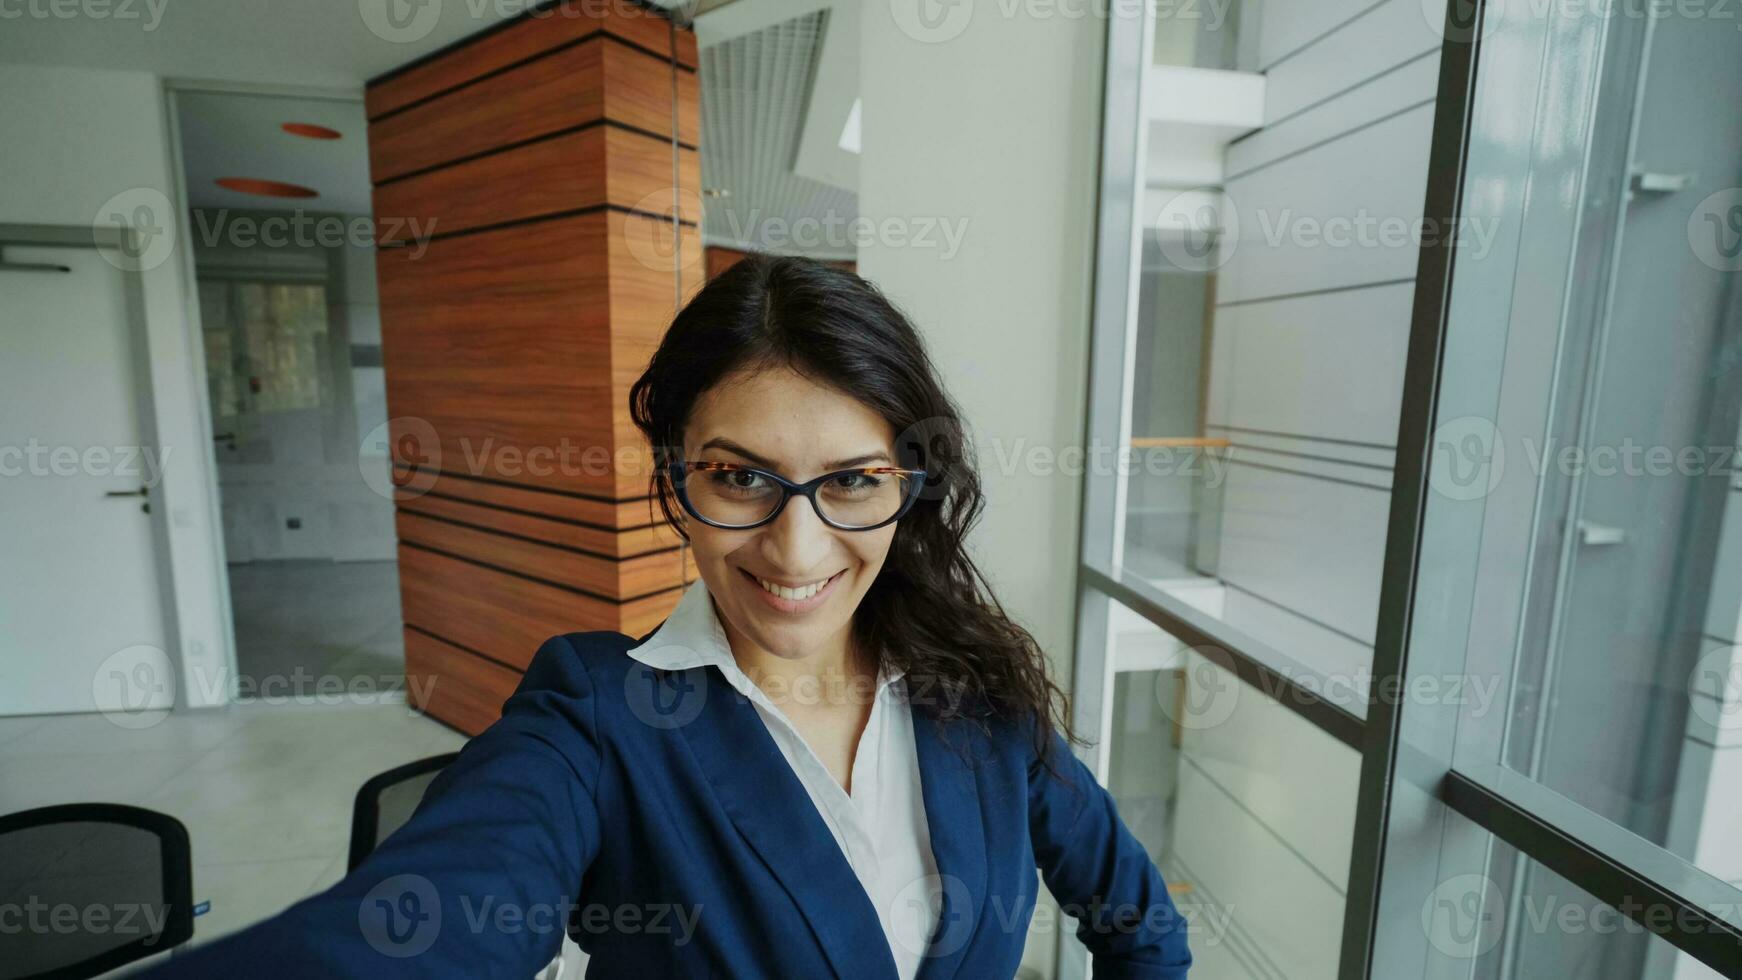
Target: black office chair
<point x="387" y="801"/>
<point x="95" y="886"/>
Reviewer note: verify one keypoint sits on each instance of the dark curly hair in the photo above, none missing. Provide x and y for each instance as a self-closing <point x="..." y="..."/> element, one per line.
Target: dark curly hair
<point x="930" y="611"/>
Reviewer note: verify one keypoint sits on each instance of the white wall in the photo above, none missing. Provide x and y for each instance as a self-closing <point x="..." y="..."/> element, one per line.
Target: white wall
<point x="996" y="125"/>
<point x="74" y="139"/>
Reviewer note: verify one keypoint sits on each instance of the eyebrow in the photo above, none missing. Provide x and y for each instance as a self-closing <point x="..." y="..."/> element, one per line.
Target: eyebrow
<point x="768" y="464"/>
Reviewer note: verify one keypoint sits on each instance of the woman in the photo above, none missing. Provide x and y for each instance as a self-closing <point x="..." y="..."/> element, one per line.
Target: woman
<point x="836" y="757"/>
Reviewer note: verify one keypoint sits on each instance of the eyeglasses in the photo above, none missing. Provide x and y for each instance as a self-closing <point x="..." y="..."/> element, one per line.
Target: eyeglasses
<point x="734" y="497"/>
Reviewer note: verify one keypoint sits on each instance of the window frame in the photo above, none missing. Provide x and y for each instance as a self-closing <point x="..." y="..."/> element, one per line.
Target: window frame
<point x="1397" y="853"/>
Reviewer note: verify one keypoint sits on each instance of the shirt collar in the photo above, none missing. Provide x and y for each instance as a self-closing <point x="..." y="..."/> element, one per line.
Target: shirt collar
<point x="692" y="636"/>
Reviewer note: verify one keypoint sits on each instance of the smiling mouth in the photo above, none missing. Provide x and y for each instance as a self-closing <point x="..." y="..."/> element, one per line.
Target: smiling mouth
<point x="793" y="599"/>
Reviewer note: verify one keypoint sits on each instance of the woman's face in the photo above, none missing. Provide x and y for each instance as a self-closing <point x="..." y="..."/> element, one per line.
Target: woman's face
<point x="776" y="419"/>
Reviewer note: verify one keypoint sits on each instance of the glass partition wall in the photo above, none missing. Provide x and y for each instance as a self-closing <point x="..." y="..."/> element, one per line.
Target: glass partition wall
<point x="1409" y="602"/>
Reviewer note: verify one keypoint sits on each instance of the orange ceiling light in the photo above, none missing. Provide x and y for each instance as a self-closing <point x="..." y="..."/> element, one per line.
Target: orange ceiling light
<point x="265" y="188"/>
<point x="311" y="131"/>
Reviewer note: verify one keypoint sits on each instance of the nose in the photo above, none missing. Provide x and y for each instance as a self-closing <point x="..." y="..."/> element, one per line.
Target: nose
<point x="797" y="541"/>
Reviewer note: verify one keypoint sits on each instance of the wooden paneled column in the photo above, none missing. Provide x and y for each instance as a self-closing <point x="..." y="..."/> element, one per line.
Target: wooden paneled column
<point x="536" y="203"/>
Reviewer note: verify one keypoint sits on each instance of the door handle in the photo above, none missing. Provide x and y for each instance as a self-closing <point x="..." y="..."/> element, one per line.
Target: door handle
<point x="1600" y="534"/>
<point x="1651" y="182"/>
<point x="141" y="492"/>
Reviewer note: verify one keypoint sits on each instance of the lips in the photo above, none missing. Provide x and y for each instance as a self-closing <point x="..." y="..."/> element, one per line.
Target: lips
<point x="790" y="599"/>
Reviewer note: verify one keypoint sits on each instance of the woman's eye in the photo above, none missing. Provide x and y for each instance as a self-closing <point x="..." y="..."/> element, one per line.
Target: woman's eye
<point x="739" y="481"/>
<point x="856" y="482"/>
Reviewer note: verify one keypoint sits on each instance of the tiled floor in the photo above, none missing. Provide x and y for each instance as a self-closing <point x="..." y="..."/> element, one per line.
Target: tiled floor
<point x="324" y="618"/>
<point x="264" y="789"/>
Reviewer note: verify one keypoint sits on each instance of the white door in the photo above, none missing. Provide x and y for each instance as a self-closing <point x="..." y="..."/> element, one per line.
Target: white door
<point x="81" y="615"/>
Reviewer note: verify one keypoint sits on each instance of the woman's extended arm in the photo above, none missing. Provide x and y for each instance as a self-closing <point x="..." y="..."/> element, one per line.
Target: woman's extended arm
<point x="1101" y="875"/>
<point x="479" y="882"/>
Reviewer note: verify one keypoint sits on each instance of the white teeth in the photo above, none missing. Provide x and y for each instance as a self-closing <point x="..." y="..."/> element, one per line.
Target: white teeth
<point x="802" y="592"/>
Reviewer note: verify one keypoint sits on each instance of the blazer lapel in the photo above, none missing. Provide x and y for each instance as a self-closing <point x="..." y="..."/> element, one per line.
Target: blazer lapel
<point x="951" y="791"/>
<point x="766" y="802"/>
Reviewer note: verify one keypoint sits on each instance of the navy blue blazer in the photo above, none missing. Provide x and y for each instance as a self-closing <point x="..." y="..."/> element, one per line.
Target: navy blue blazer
<point x="651" y="812"/>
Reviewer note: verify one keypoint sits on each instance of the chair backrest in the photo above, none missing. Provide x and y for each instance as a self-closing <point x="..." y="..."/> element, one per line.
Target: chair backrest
<point x="387" y="801"/>
<point x="93" y="886"/>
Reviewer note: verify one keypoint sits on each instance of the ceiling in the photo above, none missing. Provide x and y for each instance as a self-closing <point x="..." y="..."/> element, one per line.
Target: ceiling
<point x="779" y="81"/>
<point x="778" y="86"/>
<point x="230" y="135"/>
<point x="334" y="44"/>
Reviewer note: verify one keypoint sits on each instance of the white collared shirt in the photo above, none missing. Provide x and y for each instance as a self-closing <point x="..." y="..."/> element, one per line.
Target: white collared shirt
<point x="881" y="827"/>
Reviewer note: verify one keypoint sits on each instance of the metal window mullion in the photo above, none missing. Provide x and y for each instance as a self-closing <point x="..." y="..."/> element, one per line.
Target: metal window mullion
<point x="1593" y="854"/>
<point x="1448" y="151"/>
<point x="1291" y="684"/>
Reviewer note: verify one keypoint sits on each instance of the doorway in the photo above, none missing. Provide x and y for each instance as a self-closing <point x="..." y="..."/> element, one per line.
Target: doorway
<point x="284" y="269"/>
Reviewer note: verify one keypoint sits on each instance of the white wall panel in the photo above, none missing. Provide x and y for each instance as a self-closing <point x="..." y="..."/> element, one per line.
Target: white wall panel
<point x="1387" y="35"/>
<point x="1286" y="26"/>
<point x="1327" y="365"/>
<point x="1306" y="543"/>
<point x="1338" y="215"/>
<point x="1277" y="900"/>
<point x="1271" y="759"/>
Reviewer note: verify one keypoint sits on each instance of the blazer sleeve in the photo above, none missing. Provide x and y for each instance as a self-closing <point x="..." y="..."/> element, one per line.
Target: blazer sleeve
<point x="1101" y="874"/>
<point x="479" y="881"/>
